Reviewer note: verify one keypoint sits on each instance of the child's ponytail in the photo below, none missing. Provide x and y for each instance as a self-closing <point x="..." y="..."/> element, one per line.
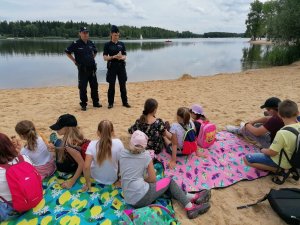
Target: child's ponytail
<point x="27" y="131"/>
<point x="184" y="113"/>
<point x="105" y="129"/>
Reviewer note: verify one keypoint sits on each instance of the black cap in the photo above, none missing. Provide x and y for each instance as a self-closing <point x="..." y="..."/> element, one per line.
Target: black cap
<point x="66" y="120"/>
<point x="272" y="102"/>
<point x="114" y="29"/>
<point x="83" y="29"/>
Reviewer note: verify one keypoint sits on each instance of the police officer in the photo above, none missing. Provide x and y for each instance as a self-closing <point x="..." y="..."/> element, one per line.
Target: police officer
<point x="85" y="52"/>
<point x="115" y="55"/>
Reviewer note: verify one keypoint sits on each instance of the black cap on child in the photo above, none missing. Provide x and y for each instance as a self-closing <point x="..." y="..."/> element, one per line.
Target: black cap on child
<point x="66" y="120"/>
<point x="272" y="102"/>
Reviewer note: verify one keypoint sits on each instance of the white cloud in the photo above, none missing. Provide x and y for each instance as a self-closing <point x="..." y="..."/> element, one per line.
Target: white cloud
<point x="198" y="16"/>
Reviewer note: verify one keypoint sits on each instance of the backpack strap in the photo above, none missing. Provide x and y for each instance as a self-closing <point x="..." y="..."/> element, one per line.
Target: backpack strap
<point x="282" y="152"/>
<point x="291" y="129"/>
<point x="253" y="204"/>
<point x="4" y="200"/>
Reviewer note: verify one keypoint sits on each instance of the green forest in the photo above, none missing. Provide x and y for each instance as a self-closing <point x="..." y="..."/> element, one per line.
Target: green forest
<point x="278" y="21"/>
<point x="56" y="29"/>
<point x="70" y="29"/>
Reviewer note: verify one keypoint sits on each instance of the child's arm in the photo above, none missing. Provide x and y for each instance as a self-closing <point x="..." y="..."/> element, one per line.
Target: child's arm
<point x="151" y="173"/>
<point x="260" y="120"/>
<point x="174" y="141"/>
<point x="269" y="152"/>
<point x="87" y="170"/>
<point x="257" y="131"/>
<point x="79" y="160"/>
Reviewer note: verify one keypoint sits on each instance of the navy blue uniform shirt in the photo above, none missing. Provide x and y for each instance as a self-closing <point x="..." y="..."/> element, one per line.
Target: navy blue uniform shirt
<point x="111" y="49"/>
<point x="83" y="52"/>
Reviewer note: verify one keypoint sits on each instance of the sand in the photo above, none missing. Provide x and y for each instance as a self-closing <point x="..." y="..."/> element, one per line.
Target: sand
<point x="226" y="98"/>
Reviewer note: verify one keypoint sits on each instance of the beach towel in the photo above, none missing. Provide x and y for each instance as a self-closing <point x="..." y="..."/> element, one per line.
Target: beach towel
<point x="104" y="204"/>
<point x="222" y="165"/>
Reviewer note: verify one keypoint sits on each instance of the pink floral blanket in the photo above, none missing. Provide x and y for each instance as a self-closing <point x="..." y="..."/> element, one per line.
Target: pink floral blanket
<point x="220" y="166"/>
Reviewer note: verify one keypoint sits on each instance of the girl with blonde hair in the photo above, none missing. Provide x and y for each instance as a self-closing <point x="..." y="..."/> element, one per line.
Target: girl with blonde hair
<point x="68" y="149"/>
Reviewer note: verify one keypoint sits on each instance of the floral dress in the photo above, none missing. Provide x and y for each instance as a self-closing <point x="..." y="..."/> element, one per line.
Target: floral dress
<point x="154" y="132"/>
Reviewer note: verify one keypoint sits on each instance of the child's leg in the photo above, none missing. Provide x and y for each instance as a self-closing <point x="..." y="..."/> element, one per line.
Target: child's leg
<point x="260" y="161"/>
<point x="159" y="188"/>
<point x="264" y="140"/>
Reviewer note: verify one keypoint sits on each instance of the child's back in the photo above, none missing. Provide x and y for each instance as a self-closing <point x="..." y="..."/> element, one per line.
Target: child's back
<point x="40" y="155"/>
<point x="287" y="140"/>
<point x="107" y="172"/>
<point x="132" y="168"/>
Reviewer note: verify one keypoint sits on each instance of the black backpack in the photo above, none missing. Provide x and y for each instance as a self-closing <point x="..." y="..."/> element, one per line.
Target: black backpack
<point x="285" y="202"/>
<point x="294" y="160"/>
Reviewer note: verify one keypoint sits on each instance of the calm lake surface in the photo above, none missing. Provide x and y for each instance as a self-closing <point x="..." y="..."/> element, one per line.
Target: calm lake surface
<point x="40" y="63"/>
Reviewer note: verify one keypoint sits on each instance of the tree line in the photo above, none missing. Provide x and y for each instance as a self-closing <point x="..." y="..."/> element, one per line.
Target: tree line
<point x="70" y="30"/>
<point x="274" y="19"/>
<point x="41" y="29"/>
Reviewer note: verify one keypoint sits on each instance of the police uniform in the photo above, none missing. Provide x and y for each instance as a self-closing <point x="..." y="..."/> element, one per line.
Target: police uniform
<point x="116" y="68"/>
<point x="84" y="57"/>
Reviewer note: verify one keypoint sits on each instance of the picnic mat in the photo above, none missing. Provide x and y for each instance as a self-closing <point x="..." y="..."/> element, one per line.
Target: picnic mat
<point x="221" y="166"/>
<point x="104" y="204"/>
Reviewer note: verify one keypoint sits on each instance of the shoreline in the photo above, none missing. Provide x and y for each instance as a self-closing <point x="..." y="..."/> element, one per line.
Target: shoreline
<point x="182" y="77"/>
<point x="226" y="98"/>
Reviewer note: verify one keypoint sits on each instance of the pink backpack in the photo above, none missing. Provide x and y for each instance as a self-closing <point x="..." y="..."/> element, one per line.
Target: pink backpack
<point x="207" y="134"/>
<point x="25" y="185"/>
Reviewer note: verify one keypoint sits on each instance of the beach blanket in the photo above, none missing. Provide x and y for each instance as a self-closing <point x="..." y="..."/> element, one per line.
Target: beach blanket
<point x="222" y="165"/>
<point x="104" y="204"/>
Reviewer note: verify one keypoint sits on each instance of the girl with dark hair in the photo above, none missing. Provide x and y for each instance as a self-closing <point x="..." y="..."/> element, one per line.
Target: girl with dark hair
<point x="102" y="156"/>
<point x="8" y="155"/>
<point x="35" y="149"/>
<point x="177" y="130"/>
<point x="153" y="127"/>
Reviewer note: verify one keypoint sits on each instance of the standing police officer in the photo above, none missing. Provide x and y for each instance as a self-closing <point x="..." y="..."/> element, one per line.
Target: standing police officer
<point x="115" y="55"/>
<point x="85" y="53"/>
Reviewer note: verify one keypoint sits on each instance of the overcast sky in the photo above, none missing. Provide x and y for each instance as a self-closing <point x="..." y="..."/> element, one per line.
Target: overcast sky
<point x="198" y="16"/>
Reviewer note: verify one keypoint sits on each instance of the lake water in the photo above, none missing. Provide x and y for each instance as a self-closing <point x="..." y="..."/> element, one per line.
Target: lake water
<point x="40" y="63"/>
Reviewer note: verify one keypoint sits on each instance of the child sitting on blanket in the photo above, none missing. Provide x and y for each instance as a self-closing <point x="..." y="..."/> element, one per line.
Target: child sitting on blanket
<point x="268" y="159"/>
<point x="35" y="148"/>
<point x="140" y="191"/>
<point x="9" y="155"/>
<point x="153" y="127"/>
<point x="68" y="157"/>
<point x="175" y="145"/>
<point x="102" y="156"/>
<point x="197" y="113"/>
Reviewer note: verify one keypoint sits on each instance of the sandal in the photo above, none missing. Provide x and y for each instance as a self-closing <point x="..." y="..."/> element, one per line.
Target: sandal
<point x="295" y="174"/>
<point x="281" y="174"/>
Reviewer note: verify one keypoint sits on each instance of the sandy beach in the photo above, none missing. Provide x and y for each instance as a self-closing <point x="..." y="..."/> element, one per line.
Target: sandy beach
<point x="226" y="98"/>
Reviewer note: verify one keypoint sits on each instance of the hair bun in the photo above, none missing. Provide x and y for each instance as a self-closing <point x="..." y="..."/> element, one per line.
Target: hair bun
<point x="144" y="112"/>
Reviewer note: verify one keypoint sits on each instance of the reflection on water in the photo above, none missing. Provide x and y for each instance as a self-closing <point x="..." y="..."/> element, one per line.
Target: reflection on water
<point x="253" y="56"/>
<point x="36" y="63"/>
<point x="48" y="47"/>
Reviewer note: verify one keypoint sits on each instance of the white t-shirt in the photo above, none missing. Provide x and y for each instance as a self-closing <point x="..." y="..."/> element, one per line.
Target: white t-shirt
<point x="40" y="156"/>
<point x="4" y="189"/>
<point x="107" y="172"/>
<point x="177" y="129"/>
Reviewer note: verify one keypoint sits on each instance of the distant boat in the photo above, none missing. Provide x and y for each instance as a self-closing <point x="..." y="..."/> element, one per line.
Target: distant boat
<point x="141" y="37"/>
<point x="168" y="41"/>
